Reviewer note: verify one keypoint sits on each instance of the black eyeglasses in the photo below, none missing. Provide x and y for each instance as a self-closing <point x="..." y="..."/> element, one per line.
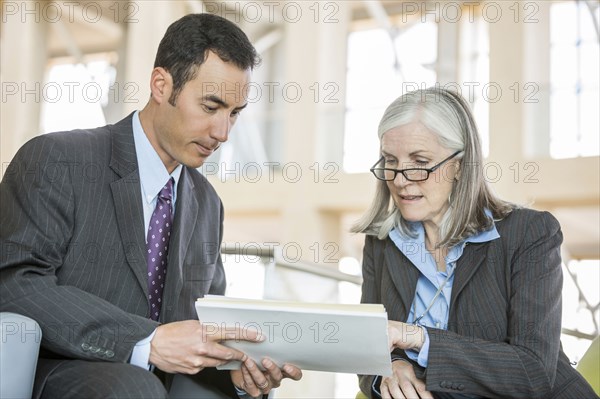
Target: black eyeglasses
<point x="411" y="174"/>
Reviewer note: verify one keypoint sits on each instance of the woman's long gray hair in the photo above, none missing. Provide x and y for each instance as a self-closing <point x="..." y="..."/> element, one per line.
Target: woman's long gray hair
<point x="447" y="115"/>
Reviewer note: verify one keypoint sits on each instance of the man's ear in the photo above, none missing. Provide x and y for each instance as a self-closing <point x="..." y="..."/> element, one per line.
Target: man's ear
<point x="161" y="85"/>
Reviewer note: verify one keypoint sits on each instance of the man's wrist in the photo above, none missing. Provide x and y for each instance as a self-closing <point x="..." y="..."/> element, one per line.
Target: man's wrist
<point x="140" y="355"/>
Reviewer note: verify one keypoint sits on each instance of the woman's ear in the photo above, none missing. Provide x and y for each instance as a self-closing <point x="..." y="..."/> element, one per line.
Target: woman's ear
<point x="161" y="85"/>
<point x="457" y="174"/>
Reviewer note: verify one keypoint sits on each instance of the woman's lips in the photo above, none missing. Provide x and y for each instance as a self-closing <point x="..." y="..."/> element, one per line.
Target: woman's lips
<point x="410" y="198"/>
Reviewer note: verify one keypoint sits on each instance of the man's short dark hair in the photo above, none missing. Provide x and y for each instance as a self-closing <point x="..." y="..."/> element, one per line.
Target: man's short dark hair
<point x="187" y="41"/>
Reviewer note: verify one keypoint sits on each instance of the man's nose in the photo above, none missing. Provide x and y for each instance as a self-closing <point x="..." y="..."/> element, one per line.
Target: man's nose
<point x="221" y="127"/>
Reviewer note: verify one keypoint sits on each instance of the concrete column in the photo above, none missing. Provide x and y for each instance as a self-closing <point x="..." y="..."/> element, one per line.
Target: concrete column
<point x="315" y="63"/>
<point x="315" y="54"/>
<point x="143" y="36"/>
<point x="506" y="69"/>
<point x="506" y="112"/>
<point x="23" y="57"/>
<point x="535" y="91"/>
<point x="447" y="62"/>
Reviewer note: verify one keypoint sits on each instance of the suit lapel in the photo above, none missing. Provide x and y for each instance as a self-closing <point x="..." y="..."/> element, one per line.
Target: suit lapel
<point x="471" y="259"/>
<point x="404" y="274"/>
<point x="127" y="198"/>
<point x="186" y="216"/>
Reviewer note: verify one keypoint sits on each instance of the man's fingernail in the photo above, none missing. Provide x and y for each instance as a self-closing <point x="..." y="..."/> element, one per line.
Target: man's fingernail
<point x="287" y="368"/>
<point x="267" y="363"/>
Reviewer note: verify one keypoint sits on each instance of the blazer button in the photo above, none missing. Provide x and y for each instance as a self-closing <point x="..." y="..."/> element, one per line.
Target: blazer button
<point x="461" y="387"/>
<point x="443" y="384"/>
<point x="101" y="351"/>
<point x="109" y="354"/>
<point x="85" y="347"/>
<point x="454" y="385"/>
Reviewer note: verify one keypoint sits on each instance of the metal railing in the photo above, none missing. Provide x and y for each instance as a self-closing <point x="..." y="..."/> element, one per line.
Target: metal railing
<point x="273" y="256"/>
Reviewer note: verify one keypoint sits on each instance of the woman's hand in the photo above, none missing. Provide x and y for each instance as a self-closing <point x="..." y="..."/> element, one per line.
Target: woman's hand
<point x="256" y="382"/>
<point x="403" y="383"/>
<point x="405" y="336"/>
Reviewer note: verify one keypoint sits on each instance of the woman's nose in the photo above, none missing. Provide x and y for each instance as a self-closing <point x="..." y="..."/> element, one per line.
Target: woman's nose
<point x="400" y="180"/>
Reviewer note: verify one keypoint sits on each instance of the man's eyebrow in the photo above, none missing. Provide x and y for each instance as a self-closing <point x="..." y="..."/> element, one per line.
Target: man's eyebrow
<point x="215" y="99"/>
<point x="221" y="102"/>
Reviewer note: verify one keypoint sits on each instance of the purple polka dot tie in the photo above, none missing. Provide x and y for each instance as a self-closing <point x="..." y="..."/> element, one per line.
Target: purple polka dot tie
<point x="159" y="233"/>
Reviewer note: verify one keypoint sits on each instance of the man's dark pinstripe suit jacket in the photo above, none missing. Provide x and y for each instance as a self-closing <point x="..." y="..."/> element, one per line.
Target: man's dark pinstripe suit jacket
<point x="73" y="246"/>
<point x="503" y="338"/>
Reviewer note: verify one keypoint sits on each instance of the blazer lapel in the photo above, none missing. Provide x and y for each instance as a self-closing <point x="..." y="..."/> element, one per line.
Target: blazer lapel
<point x="404" y="274"/>
<point x="186" y="216"/>
<point x="471" y="259"/>
<point x="128" y="199"/>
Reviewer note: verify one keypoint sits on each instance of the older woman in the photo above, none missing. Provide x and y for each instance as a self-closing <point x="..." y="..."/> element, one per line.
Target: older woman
<point x="471" y="283"/>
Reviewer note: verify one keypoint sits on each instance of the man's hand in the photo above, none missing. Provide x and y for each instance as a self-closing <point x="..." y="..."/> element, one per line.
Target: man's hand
<point x="403" y="383"/>
<point x="188" y="346"/>
<point x="257" y="382"/>
<point x="405" y="336"/>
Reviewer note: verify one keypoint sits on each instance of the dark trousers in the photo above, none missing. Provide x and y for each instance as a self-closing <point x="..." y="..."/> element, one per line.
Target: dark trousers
<point x="59" y="378"/>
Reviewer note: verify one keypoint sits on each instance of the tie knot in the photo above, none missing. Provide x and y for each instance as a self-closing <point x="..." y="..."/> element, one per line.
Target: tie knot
<point x="167" y="190"/>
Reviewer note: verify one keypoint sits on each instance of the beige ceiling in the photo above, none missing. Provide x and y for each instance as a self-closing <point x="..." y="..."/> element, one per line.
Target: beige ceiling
<point x="79" y="28"/>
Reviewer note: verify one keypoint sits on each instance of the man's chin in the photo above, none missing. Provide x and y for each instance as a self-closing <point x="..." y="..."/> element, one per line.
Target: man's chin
<point x="194" y="163"/>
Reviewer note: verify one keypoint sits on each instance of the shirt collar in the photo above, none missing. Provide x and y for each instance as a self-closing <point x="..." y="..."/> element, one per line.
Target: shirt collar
<point x="487" y="235"/>
<point x="153" y="173"/>
<point x="413" y="248"/>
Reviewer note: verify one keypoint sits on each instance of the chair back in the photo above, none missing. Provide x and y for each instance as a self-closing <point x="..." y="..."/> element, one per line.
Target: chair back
<point x="589" y="365"/>
<point x="19" y="349"/>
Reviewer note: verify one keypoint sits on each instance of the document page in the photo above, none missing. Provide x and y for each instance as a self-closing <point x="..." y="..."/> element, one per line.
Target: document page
<point x="324" y="337"/>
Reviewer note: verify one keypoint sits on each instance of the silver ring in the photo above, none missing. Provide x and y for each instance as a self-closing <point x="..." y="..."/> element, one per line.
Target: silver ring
<point x="263" y="386"/>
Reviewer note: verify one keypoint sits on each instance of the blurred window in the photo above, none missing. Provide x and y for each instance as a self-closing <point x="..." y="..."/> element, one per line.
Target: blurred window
<point x="381" y="67"/>
<point x="475" y="73"/>
<point x="74" y="95"/>
<point x="574" y="93"/>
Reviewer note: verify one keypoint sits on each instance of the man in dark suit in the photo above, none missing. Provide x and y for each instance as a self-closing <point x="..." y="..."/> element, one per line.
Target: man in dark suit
<point x="113" y="296"/>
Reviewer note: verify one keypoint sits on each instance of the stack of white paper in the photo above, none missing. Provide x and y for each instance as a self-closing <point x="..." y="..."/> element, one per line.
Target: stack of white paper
<point x="324" y="337"/>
